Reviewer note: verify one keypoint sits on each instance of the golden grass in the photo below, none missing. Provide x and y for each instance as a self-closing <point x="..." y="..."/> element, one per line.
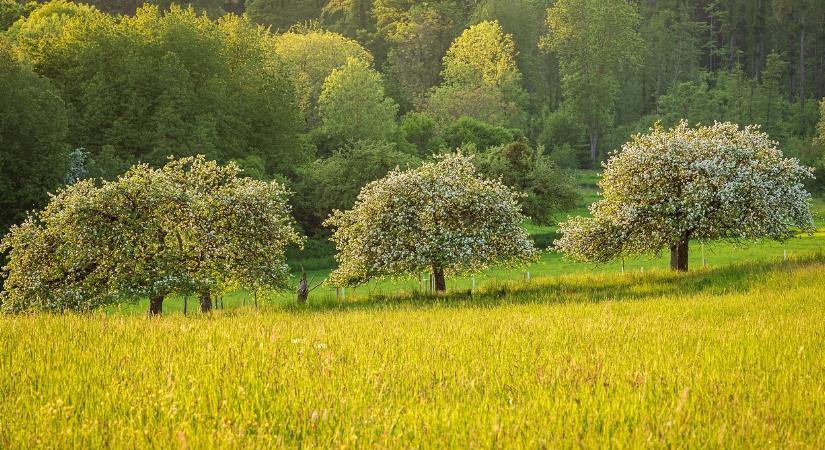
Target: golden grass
<point x="730" y="358"/>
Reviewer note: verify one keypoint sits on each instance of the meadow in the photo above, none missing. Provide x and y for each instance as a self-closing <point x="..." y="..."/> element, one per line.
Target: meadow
<point x="726" y="357"/>
<point x="318" y="260"/>
<point x="729" y="355"/>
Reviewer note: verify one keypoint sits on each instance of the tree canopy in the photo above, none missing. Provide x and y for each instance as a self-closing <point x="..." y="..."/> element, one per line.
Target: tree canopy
<point x="481" y="79"/>
<point x="441" y="217"/>
<point x="547" y="189"/>
<point x="595" y="41"/>
<point x="33" y="150"/>
<point x="710" y="182"/>
<point x="312" y="54"/>
<point x="161" y="83"/>
<point x="190" y="226"/>
<point x="353" y="105"/>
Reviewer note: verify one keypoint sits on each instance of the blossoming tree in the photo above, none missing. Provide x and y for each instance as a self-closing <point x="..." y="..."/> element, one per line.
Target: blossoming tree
<point x="710" y="182"/>
<point x="191" y="226"/>
<point x="441" y="217"/>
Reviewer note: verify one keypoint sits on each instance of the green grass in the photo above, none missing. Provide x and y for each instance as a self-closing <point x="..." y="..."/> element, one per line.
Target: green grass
<point x="728" y="357"/>
<point x="717" y="254"/>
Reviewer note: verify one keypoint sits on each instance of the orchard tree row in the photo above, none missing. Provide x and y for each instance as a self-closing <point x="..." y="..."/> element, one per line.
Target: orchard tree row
<point x="326" y="96"/>
<point x="195" y="227"/>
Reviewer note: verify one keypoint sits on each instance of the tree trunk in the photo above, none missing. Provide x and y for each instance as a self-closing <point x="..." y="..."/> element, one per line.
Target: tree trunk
<point x="802" y="67"/>
<point x="594" y="139"/>
<point x="303" y="289"/>
<point x="679" y="256"/>
<point x="440" y="283"/>
<point x="155" y="304"/>
<point x="206" y="301"/>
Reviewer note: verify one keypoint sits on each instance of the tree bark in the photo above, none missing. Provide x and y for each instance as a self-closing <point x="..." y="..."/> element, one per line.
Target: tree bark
<point x="440" y="282"/>
<point x="802" y="66"/>
<point x="679" y="256"/>
<point x="155" y="304"/>
<point x="594" y="139"/>
<point x="206" y="301"/>
<point x="303" y="289"/>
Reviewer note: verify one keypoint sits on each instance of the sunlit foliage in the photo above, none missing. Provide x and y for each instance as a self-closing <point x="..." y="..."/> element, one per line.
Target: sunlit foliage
<point x="711" y="182"/>
<point x="441" y="217"/>
<point x="192" y="225"/>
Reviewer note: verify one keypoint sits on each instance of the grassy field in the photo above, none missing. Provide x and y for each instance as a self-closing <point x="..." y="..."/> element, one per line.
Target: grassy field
<point x="716" y="254"/>
<point x="728" y="357"/>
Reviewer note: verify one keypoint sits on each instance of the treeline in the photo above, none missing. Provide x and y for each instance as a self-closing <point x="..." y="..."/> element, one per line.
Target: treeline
<point x="327" y="95"/>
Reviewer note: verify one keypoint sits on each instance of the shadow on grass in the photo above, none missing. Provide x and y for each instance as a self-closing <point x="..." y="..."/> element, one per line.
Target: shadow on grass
<point x="582" y="288"/>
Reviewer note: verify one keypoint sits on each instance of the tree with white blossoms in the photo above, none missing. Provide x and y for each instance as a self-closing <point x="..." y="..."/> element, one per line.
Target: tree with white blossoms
<point x="710" y="182"/>
<point x="441" y="217"/>
<point x="190" y="226"/>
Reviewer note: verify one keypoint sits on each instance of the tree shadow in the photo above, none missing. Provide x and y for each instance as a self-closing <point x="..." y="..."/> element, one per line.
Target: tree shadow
<point x="581" y="288"/>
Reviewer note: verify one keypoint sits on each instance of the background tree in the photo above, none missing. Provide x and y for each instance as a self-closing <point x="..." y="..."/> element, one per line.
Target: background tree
<point x="418" y="38"/>
<point x="10" y="11"/>
<point x="283" y="14"/>
<point x="524" y="20"/>
<point x="147" y="86"/>
<point x="669" y="186"/>
<point x="673" y="41"/>
<point x="547" y="189"/>
<point x="481" y="79"/>
<point x="312" y="54"/>
<point x="420" y="130"/>
<point x="33" y="150"/>
<point x="334" y="183"/>
<point x="596" y="41"/>
<point x="353" y="105"/>
<point x="441" y="217"/>
<point x="483" y="55"/>
<point x="479" y="134"/>
<point x="44" y="29"/>
<point x="449" y="102"/>
<point x="802" y="15"/>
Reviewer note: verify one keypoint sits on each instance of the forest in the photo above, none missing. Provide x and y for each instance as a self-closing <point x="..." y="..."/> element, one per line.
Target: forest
<point x="326" y="96"/>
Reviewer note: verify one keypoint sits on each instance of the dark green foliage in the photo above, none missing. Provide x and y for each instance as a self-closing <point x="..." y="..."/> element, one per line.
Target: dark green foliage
<point x="560" y="128"/>
<point x="33" y="152"/>
<point x="482" y="135"/>
<point x="548" y="190"/>
<point x="282" y="14"/>
<point x="420" y="130"/>
<point x="334" y="182"/>
<point x="10" y="11"/>
<point x="137" y="83"/>
<point x="564" y="157"/>
<point x="174" y="83"/>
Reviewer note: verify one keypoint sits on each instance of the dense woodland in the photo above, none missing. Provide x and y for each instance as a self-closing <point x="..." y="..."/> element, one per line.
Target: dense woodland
<point x="329" y="95"/>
